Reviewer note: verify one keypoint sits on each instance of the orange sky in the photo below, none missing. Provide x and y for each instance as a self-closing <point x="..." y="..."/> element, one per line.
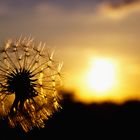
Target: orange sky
<point x="79" y="31"/>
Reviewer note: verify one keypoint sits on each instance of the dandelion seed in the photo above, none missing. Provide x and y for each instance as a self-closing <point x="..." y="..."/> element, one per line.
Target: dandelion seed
<point x="29" y="82"/>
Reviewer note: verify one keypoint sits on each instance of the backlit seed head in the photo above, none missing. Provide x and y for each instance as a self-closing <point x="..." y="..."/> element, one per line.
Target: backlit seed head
<point x="29" y="83"/>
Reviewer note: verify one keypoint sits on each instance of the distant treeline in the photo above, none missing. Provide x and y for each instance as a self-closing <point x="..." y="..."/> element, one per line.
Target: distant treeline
<point x="76" y="121"/>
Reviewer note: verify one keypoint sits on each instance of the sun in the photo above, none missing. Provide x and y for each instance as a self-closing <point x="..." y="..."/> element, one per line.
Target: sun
<point x="100" y="77"/>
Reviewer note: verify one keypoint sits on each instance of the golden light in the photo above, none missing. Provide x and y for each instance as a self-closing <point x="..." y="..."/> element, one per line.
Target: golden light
<point x="101" y="76"/>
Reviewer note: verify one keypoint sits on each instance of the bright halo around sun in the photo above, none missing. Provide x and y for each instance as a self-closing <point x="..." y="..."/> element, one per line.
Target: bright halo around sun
<point x="101" y="75"/>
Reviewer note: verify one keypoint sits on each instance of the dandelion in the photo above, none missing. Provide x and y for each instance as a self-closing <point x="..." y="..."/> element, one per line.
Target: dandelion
<point x="29" y="82"/>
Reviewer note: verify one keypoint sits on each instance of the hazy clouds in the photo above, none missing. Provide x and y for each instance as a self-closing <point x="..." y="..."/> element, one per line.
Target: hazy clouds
<point x="79" y="29"/>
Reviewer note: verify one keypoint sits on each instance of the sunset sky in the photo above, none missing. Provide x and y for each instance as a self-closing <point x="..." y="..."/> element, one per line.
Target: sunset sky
<point x="88" y="36"/>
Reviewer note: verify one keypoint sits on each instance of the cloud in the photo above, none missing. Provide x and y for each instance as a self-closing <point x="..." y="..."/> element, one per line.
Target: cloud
<point x="54" y="21"/>
<point x="119" y="9"/>
<point x="3" y="11"/>
<point x="70" y="9"/>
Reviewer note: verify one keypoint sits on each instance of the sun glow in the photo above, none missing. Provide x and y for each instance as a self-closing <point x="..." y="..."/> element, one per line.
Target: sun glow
<point x="101" y="76"/>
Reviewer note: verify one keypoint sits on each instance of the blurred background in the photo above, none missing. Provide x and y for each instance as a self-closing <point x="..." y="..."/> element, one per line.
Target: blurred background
<point x="98" y="43"/>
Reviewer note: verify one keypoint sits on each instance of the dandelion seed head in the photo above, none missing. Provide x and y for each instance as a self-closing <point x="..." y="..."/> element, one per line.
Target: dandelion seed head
<point x="29" y="83"/>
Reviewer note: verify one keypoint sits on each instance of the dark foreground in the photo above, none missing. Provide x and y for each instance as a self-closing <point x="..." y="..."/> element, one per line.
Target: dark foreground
<point x="79" y="121"/>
